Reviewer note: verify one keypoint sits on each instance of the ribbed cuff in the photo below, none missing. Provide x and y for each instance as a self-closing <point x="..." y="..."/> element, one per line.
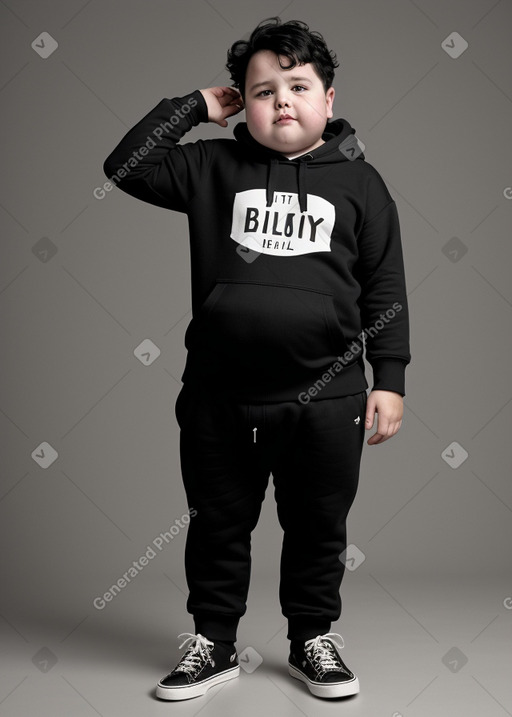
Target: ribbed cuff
<point x="389" y="375"/>
<point x="200" y="111"/>
<point x="303" y="628"/>
<point x="217" y="626"/>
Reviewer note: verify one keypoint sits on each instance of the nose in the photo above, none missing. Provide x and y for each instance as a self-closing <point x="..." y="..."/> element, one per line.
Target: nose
<point x="283" y="100"/>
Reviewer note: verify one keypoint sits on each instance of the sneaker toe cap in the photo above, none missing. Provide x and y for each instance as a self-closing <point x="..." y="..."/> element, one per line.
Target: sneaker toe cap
<point x="331" y="677"/>
<point x="175" y="680"/>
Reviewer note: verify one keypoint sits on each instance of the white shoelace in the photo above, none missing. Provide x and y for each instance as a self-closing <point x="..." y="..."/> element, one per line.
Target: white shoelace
<point x="322" y="653"/>
<point x="197" y="650"/>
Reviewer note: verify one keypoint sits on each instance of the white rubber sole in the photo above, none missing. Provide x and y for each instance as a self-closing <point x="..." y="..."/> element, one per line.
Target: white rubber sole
<point x="333" y="689"/>
<point x="189" y="691"/>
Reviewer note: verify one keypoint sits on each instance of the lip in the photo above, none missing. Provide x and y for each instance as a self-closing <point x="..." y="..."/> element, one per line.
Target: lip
<point x="284" y="119"/>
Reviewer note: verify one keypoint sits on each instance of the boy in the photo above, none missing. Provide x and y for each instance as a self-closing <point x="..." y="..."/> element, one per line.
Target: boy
<point x="296" y="267"/>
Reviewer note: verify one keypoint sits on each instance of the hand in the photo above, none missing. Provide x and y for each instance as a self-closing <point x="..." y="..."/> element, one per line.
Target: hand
<point x="389" y="406"/>
<point x="222" y="102"/>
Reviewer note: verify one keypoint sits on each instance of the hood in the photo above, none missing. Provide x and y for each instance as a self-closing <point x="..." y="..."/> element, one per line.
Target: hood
<point x="336" y="133"/>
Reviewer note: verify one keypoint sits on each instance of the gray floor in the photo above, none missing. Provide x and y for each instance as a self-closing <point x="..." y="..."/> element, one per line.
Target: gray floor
<point x="421" y="646"/>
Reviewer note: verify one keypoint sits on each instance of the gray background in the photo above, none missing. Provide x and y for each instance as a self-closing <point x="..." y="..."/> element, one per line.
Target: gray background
<point x="83" y="282"/>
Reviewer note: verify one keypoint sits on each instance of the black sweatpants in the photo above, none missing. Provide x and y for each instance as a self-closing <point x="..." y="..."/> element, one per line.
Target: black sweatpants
<point x="228" y="450"/>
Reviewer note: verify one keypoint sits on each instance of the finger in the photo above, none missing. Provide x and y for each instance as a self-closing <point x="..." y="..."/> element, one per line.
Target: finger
<point x="383" y="434"/>
<point x="383" y="426"/>
<point x="380" y="434"/>
<point x="370" y="417"/>
<point x="230" y="110"/>
<point x="377" y="438"/>
<point x="235" y="92"/>
<point x="230" y="92"/>
<point x="227" y="101"/>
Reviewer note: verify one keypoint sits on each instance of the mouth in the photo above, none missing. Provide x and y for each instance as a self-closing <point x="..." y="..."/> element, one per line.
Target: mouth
<point x="284" y="119"/>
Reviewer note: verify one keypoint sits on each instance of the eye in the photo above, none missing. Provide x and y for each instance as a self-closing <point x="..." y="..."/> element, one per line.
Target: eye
<point x="262" y="93"/>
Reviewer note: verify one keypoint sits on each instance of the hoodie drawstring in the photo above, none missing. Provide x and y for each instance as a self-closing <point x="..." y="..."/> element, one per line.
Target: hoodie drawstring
<point x="273" y="170"/>
<point x="271" y="180"/>
<point x="303" y="192"/>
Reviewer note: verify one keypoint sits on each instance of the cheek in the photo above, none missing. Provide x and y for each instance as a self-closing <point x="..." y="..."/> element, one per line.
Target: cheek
<point x="256" y="116"/>
<point x="314" y="108"/>
<point x="313" y="121"/>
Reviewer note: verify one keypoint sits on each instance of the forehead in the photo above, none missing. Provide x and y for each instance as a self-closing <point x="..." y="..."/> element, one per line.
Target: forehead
<point x="264" y="66"/>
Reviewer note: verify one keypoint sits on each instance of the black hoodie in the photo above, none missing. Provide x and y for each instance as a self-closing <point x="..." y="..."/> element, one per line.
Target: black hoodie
<point x="296" y="264"/>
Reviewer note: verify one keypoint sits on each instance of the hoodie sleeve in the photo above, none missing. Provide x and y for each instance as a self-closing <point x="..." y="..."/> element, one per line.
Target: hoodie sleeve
<point x="383" y="300"/>
<point x="149" y="164"/>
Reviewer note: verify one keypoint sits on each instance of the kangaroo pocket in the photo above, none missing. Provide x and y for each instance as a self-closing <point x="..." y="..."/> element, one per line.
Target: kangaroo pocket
<point x="269" y="329"/>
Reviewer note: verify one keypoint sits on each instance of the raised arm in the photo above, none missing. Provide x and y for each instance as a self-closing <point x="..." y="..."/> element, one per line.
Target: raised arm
<point x="149" y="164"/>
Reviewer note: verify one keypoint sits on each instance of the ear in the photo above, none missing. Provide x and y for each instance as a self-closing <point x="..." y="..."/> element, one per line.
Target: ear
<point x="329" y="99"/>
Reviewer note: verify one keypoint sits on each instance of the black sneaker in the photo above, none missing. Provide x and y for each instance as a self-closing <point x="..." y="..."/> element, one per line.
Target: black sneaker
<point x="203" y="665"/>
<point x="318" y="663"/>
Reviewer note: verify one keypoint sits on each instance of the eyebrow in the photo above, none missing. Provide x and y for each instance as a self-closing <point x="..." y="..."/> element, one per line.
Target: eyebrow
<point x="269" y="82"/>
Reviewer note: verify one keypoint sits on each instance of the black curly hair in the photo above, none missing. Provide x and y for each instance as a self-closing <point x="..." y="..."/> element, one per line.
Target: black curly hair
<point x="293" y="39"/>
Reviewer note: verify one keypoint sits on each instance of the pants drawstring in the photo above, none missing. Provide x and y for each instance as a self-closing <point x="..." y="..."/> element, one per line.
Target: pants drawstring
<point x="250" y="416"/>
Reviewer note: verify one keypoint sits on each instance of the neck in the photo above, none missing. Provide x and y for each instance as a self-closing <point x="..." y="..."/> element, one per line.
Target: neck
<point x="309" y="149"/>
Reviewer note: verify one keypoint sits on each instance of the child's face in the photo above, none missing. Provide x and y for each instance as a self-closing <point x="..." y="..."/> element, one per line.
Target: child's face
<point x="298" y="92"/>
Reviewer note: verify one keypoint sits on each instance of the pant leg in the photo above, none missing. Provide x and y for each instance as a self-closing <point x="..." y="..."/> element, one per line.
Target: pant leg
<point x="316" y="479"/>
<point x="225" y="482"/>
